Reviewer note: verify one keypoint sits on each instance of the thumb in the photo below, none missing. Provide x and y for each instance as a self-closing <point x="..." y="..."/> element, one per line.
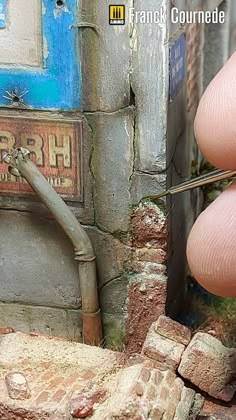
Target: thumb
<point x="211" y="247"/>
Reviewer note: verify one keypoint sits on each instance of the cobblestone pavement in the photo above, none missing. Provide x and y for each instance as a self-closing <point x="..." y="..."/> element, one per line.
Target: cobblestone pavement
<point x="49" y="378"/>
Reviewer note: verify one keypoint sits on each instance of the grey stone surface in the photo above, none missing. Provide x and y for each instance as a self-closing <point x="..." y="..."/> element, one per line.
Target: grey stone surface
<point x="37" y="262"/>
<point x="143" y="185"/>
<point x="105" y="60"/>
<point x="113" y="296"/>
<point x="114" y="331"/>
<point x="65" y="323"/>
<point x="112" y="164"/>
<point x="110" y="255"/>
<point x="149" y="81"/>
<point x="216" y="39"/>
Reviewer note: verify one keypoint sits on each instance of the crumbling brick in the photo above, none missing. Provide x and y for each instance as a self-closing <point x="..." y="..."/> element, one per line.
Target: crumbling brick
<point x="210" y="366"/>
<point x="163" y="350"/>
<point x="17" y="386"/>
<point x="161" y="395"/>
<point x="173" y="330"/>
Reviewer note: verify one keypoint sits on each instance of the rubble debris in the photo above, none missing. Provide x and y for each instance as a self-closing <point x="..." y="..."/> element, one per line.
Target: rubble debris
<point x="210" y="366"/>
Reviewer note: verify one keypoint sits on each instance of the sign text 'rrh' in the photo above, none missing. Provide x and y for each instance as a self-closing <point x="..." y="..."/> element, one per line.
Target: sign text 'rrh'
<point x="55" y="148"/>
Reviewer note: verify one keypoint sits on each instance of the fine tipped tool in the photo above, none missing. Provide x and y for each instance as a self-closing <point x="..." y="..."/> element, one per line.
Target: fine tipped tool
<point x="213" y="176"/>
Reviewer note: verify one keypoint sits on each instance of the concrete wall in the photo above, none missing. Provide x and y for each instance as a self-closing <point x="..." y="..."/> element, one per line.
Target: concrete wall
<point x="136" y="142"/>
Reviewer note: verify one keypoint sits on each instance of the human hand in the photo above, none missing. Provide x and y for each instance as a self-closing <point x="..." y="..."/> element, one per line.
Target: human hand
<point x="211" y="247"/>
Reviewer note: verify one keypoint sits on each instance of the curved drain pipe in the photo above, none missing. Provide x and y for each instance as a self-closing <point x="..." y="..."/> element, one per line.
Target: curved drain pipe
<point x="20" y="165"/>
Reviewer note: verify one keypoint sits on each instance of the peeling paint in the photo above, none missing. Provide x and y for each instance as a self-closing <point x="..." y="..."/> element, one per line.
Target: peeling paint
<point x="43" y="9"/>
<point x="59" y="10"/>
<point x="45" y="48"/>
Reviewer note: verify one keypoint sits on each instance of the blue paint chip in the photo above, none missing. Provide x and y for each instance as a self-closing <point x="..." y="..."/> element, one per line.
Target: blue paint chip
<point x="57" y="84"/>
<point x="3" y="7"/>
<point x="177" y="65"/>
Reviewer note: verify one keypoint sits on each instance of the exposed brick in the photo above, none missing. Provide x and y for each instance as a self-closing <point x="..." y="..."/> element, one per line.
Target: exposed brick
<point x="156" y="413"/>
<point x="157" y="377"/>
<point x="148" y="225"/>
<point x="135" y="359"/>
<point x="55" y="383"/>
<point x="70" y="380"/>
<point x="147" y="299"/>
<point x="169" y="328"/>
<point x="145" y="375"/>
<point x="17" y="386"/>
<point x="42" y="398"/>
<point x="6" y="330"/>
<point x="59" y="395"/>
<point x="164" y="394"/>
<point x="88" y="375"/>
<point x="163" y="350"/>
<point x="210" y="366"/>
<point x="138" y="389"/>
<point x="170" y="377"/>
<point x="150" y="254"/>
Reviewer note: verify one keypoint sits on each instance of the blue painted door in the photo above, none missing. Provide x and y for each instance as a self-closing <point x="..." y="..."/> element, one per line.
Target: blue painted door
<point x="54" y="82"/>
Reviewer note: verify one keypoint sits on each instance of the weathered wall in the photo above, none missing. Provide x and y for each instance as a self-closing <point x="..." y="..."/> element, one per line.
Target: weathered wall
<point x="136" y="142"/>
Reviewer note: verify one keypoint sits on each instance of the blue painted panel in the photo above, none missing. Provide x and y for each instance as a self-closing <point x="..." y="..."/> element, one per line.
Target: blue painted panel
<point x="3" y="6"/>
<point x="177" y="65"/>
<point x="56" y="85"/>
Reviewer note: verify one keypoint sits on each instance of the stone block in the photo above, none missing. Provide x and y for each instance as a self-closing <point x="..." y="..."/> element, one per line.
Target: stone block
<point x="37" y="262"/>
<point x="112" y="166"/>
<point x="144" y="185"/>
<point x="210" y="366"/>
<point x="65" y="323"/>
<point x="105" y="57"/>
<point x="110" y="255"/>
<point x="113" y="296"/>
<point x="17" y="386"/>
<point x="173" y="330"/>
<point x="148" y="59"/>
<point x="166" y="352"/>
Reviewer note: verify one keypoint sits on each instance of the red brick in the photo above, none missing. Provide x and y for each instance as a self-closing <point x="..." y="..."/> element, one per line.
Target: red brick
<point x="210" y="366"/>
<point x="142" y="311"/>
<point x="156" y="413"/>
<point x="165" y="351"/>
<point x="138" y="389"/>
<point x="164" y="393"/>
<point x="6" y="330"/>
<point x="169" y="328"/>
<point x="55" y="382"/>
<point x="170" y="378"/>
<point x="88" y="375"/>
<point x="46" y="376"/>
<point x="42" y="398"/>
<point x="59" y="395"/>
<point x="145" y="375"/>
<point x="157" y="377"/>
<point x="70" y="380"/>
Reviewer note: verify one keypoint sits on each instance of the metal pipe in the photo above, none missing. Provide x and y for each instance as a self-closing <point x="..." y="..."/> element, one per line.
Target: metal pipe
<point x="21" y="165"/>
<point x="213" y="176"/>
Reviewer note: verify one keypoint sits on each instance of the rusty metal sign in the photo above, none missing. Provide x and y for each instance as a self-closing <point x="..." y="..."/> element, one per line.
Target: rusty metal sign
<point x="55" y="148"/>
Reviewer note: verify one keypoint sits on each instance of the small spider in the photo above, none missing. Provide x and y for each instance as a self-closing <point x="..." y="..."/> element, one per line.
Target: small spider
<point x="16" y="97"/>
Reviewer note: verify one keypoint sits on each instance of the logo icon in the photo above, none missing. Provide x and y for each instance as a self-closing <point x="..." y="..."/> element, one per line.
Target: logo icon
<point x="117" y="14"/>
